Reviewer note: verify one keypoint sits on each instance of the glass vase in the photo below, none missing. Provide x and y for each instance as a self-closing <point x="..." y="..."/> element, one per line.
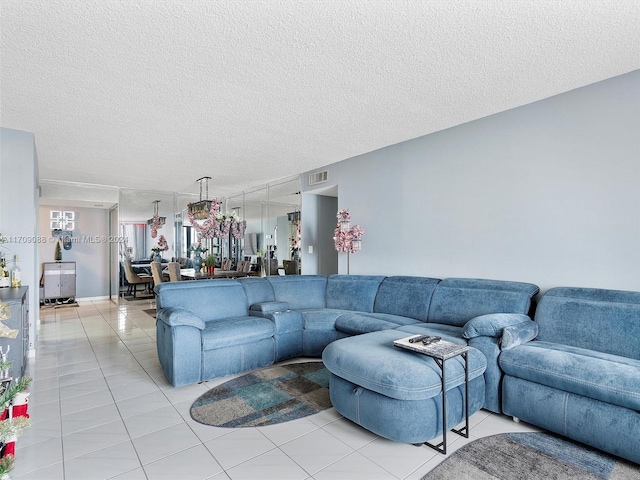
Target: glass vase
<point x="197" y="261"/>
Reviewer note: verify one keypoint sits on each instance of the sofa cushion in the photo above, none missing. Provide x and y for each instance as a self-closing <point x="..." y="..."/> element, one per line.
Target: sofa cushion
<point x="405" y="296"/>
<point x="236" y="331"/>
<point x="352" y="292"/>
<point x="207" y="299"/>
<point x="371" y="361"/>
<point x="300" y="291"/>
<point x="604" y="320"/>
<point x="320" y="319"/>
<point x="357" y="323"/>
<point x="257" y="289"/>
<point x="455" y="301"/>
<point x="608" y="378"/>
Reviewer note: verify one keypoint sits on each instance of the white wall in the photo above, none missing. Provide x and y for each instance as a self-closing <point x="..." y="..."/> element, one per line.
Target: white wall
<point x="547" y="193"/>
<point x="91" y="252"/>
<point x="19" y="211"/>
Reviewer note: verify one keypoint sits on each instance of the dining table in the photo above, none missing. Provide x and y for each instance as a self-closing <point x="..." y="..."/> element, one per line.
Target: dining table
<point x="191" y="274"/>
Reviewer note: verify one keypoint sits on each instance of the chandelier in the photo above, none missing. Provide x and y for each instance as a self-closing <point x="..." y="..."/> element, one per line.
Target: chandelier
<point x="157" y="221"/>
<point x="215" y="223"/>
<point x="200" y="209"/>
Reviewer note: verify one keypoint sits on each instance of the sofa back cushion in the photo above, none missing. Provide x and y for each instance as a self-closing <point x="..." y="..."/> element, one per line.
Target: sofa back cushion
<point x="300" y="291"/>
<point x="607" y="321"/>
<point x="258" y="290"/>
<point x="208" y="299"/>
<point x="405" y="296"/>
<point x="352" y="292"/>
<point x="455" y="301"/>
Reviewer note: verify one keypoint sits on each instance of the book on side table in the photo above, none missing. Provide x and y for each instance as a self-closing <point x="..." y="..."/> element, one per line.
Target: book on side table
<point x="433" y="346"/>
<point x="440" y="351"/>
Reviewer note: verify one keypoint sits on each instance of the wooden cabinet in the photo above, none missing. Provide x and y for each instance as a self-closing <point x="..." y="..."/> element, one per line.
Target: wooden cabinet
<point x="18" y="301"/>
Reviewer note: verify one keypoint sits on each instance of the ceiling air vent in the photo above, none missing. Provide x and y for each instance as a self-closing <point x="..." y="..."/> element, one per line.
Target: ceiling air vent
<point x="318" y="177"/>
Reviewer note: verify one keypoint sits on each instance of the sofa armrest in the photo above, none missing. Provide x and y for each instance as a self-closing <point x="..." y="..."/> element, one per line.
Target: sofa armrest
<point x="515" y="335"/>
<point x="286" y="321"/>
<point x="175" y="316"/>
<point x="263" y="308"/>
<point x="492" y="324"/>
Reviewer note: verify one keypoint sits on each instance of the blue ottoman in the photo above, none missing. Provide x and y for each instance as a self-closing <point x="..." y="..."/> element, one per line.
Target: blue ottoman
<point x="396" y="393"/>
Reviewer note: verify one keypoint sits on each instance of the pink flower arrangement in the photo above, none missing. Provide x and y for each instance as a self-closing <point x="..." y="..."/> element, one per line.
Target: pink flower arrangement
<point x="347" y="238"/>
<point x="343" y="216"/>
<point x="162" y="244"/>
<point x="219" y="225"/>
<point x="238" y="228"/>
<point x="155" y="225"/>
<point x="211" y="226"/>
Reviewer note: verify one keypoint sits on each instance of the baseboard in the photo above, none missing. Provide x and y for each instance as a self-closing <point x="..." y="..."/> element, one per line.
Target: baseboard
<point x="91" y="299"/>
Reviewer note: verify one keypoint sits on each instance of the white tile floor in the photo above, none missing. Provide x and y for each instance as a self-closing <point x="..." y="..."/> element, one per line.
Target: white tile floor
<point x="101" y="408"/>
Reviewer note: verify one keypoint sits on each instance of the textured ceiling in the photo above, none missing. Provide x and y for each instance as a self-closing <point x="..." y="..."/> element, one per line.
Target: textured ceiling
<point x="155" y="94"/>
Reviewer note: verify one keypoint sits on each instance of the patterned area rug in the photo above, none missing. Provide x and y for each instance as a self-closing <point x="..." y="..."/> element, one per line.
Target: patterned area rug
<point x="151" y="312"/>
<point x="266" y="397"/>
<point x="531" y="456"/>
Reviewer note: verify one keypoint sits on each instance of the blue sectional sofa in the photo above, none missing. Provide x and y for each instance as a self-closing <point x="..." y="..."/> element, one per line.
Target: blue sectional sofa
<point x="575" y="370"/>
<point x="580" y="377"/>
<point x="212" y="328"/>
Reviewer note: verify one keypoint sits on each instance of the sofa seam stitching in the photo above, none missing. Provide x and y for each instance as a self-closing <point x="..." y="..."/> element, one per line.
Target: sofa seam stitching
<point x="571" y="379"/>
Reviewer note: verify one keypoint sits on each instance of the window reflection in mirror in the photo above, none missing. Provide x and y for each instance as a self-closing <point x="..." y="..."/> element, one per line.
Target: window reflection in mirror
<point x="146" y="224"/>
<point x="271" y="212"/>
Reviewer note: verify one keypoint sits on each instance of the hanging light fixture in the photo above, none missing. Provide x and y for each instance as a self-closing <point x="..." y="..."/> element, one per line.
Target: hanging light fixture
<point x="200" y="209"/>
<point x="157" y="221"/>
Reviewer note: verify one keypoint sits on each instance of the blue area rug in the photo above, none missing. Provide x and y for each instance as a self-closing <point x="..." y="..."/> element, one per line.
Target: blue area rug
<point x="532" y="456"/>
<point x="266" y="397"/>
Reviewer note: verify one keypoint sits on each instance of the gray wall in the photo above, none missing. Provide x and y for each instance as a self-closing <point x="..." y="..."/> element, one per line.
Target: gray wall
<point x="547" y="193"/>
<point x="19" y="211"/>
<point x="92" y="258"/>
<point x="318" y="232"/>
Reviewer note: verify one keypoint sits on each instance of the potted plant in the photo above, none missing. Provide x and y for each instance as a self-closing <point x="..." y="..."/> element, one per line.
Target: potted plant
<point x="58" y="254"/>
<point x="210" y="263"/>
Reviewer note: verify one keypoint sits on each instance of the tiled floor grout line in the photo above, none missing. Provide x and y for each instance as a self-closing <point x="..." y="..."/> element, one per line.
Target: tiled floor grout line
<point x="118" y="338"/>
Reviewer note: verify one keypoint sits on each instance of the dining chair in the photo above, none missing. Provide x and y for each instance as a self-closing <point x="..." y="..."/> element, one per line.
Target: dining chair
<point x="174" y="272"/>
<point x="290" y="267"/>
<point x="134" y="279"/>
<point x="273" y="266"/>
<point x="247" y="266"/>
<point x="156" y="272"/>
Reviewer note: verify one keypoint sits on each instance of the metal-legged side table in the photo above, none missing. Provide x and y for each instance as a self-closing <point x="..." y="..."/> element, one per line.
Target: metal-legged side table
<point x="441" y="355"/>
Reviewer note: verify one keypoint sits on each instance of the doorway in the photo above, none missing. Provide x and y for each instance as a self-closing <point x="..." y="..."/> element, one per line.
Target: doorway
<point x="319" y="207"/>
